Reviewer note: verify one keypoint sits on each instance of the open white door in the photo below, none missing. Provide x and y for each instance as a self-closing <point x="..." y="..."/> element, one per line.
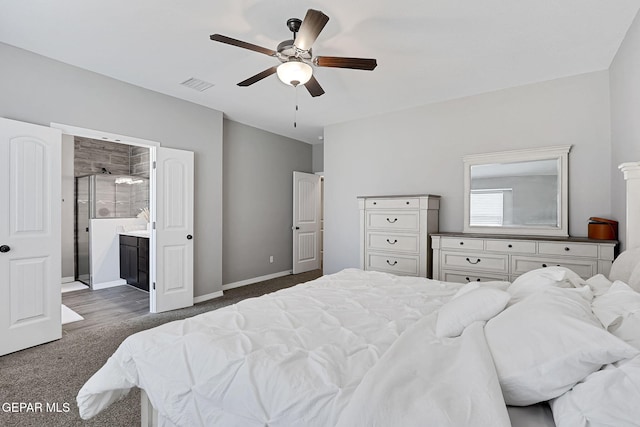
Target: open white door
<point x="173" y="284"/>
<point x="306" y="222"/>
<point x="30" y="242"/>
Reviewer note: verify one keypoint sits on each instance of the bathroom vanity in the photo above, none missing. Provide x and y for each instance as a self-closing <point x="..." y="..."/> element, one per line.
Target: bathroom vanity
<point x="134" y="258"/>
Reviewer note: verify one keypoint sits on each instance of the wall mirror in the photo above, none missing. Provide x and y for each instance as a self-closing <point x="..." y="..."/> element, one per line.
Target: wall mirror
<point x="522" y="192"/>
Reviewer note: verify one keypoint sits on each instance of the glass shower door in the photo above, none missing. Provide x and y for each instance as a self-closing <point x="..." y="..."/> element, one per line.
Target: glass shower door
<point x="83" y="212"/>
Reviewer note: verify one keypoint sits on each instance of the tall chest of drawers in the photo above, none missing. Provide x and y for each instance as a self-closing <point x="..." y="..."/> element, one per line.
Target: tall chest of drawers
<point x="394" y="233"/>
<point x="459" y="257"/>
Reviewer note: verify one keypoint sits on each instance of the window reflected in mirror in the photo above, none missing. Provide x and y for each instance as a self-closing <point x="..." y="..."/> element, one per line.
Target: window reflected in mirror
<point x="519" y="193"/>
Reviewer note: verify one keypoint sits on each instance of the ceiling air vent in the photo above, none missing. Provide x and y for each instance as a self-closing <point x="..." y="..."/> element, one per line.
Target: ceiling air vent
<point x="197" y="84"/>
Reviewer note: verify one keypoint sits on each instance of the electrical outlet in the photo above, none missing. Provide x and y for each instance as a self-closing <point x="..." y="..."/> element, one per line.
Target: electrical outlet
<point x="271" y="259"/>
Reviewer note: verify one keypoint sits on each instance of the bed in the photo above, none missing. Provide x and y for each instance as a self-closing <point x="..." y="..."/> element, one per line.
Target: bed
<point x="369" y="348"/>
<point x="364" y="348"/>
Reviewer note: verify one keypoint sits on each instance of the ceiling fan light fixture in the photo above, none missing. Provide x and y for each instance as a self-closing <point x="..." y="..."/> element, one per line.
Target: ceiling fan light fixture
<point x="294" y="72"/>
<point x="296" y="57"/>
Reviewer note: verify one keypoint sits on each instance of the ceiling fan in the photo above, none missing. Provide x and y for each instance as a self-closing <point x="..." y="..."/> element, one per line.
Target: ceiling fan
<point x="296" y="57"/>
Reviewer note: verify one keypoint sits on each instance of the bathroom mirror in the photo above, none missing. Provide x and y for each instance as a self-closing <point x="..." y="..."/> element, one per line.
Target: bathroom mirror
<point x="522" y="192"/>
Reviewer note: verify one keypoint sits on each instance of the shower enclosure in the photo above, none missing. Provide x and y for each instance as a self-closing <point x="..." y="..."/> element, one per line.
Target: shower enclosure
<point x="101" y="197"/>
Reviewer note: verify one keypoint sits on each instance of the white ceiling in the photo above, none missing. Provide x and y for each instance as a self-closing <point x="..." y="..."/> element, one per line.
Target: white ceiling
<point x="427" y="50"/>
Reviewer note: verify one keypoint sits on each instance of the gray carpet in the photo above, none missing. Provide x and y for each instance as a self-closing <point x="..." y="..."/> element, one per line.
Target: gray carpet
<point x="51" y="374"/>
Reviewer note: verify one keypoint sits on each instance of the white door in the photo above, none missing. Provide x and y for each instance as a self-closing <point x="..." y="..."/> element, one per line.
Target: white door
<point x="173" y="284"/>
<point x="30" y="242"/>
<point x="306" y="222"/>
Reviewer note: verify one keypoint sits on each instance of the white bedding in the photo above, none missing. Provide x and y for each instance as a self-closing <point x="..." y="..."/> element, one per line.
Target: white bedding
<point x="362" y="349"/>
<point x="311" y="355"/>
<point x="426" y="380"/>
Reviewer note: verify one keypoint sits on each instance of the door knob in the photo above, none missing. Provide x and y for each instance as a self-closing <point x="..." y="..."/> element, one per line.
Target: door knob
<point x="189" y="237"/>
<point x="4" y="248"/>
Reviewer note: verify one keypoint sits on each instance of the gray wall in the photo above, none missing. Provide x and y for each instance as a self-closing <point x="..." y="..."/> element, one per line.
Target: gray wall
<point x="625" y="122"/>
<point x="258" y="200"/>
<point x="38" y="90"/>
<point x="420" y="151"/>
<point x="318" y="158"/>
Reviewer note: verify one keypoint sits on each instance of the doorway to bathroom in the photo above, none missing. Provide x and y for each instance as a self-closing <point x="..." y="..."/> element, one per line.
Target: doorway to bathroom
<point x="167" y="224"/>
<point x="111" y="197"/>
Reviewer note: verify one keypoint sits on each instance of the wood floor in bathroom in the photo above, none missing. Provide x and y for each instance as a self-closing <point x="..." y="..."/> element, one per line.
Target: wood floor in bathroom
<point x="104" y="306"/>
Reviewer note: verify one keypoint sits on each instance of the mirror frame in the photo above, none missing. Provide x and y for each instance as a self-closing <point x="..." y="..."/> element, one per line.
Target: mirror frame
<point x="558" y="153"/>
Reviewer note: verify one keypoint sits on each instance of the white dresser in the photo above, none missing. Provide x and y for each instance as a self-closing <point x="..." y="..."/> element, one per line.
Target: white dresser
<point x="394" y="233"/>
<point x="459" y="257"/>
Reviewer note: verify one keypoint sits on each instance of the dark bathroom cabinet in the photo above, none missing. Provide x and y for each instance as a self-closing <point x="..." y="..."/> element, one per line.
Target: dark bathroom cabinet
<point x="134" y="261"/>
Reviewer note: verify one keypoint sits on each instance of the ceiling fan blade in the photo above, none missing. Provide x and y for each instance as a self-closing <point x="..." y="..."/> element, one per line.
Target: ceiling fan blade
<point x="258" y="77"/>
<point x="310" y="28"/>
<point x="239" y="43"/>
<point x="314" y="87"/>
<point x="341" y="62"/>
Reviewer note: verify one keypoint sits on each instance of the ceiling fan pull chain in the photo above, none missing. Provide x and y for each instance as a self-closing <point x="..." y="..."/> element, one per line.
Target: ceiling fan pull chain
<point x="295" y="113"/>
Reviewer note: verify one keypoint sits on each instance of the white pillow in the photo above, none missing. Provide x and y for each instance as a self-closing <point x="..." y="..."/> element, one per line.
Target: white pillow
<point x="498" y="284"/>
<point x="548" y="342"/>
<point x="599" y="284"/>
<point x="540" y="279"/>
<point x="477" y="305"/>
<point x="634" y="279"/>
<point x="609" y="397"/>
<point x="619" y="311"/>
<point x="624" y="265"/>
<point x="466" y="289"/>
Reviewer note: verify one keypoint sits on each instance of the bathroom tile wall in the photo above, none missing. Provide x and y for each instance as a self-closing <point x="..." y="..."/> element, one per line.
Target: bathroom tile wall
<point x="139" y="166"/>
<point x="92" y="155"/>
<point x="98" y="157"/>
<point x="139" y="161"/>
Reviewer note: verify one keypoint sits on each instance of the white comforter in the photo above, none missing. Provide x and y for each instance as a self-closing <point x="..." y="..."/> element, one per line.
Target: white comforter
<point x="353" y="348"/>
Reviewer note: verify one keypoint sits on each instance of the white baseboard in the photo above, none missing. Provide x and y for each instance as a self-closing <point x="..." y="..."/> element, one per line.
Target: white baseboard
<point x="207" y="297"/>
<point x="68" y="280"/>
<point x="255" y="280"/>
<point x="105" y="285"/>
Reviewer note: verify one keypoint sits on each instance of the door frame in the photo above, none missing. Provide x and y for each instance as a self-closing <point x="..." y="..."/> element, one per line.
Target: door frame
<point x="139" y="142"/>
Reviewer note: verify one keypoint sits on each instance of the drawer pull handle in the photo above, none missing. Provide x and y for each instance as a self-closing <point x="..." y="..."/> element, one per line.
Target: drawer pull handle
<point x="392" y="243"/>
<point x="545" y="265"/>
<point x="375" y="203"/>
<point x="391" y="222"/>
<point x="567" y="248"/>
<point x="471" y="262"/>
<point x="394" y="263"/>
<point x="469" y="280"/>
<point x="509" y="245"/>
<point x="462" y="243"/>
